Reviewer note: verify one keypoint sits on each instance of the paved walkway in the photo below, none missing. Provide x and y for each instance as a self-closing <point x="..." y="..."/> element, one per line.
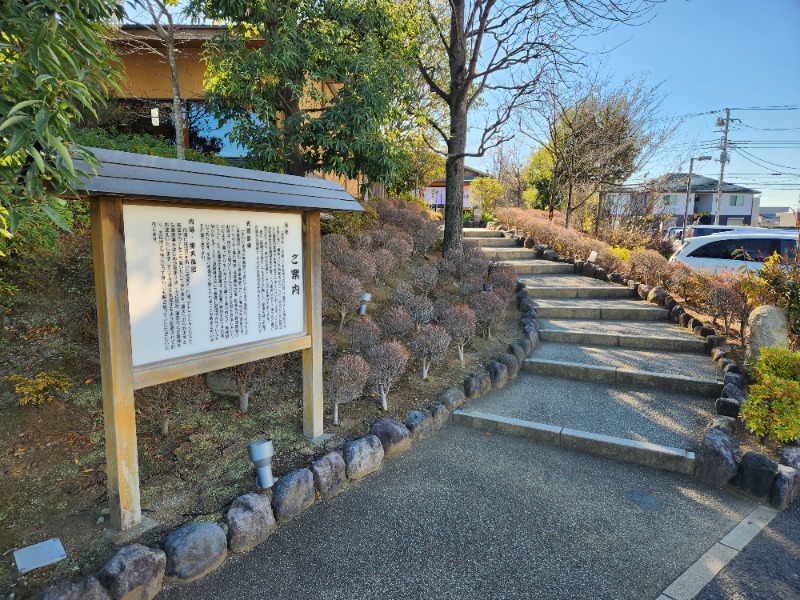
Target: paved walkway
<point x="468" y="515"/>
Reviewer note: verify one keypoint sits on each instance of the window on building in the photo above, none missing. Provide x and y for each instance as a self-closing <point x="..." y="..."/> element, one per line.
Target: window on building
<point x="737" y="200"/>
<point x="669" y="199"/>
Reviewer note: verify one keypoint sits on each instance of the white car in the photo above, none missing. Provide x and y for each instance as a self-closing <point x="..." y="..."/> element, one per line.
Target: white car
<point x="733" y="249"/>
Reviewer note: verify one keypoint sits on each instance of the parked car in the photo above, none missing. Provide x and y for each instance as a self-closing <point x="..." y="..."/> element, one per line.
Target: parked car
<point x="733" y="249"/>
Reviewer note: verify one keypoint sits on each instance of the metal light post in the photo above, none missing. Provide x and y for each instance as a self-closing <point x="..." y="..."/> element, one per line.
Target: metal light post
<point x="689" y="193"/>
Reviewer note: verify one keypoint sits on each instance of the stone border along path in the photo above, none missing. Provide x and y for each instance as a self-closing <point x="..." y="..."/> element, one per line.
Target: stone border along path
<point x="601" y="333"/>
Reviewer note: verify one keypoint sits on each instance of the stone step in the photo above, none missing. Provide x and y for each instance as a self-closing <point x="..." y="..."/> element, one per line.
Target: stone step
<point x="596" y="308"/>
<point x="643" y="453"/>
<point x="592" y="291"/>
<point x="698" y="386"/>
<point x="532" y="266"/>
<point x="630" y="334"/>
<point x="495" y="242"/>
<point x="507" y="254"/>
<point x="470" y="232"/>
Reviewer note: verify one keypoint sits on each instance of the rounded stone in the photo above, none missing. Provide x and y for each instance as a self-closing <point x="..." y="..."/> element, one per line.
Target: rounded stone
<point x="329" y="474"/>
<point x="194" y="551"/>
<point x="292" y="494"/>
<point x="134" y="572"/>
<point x="250" y="522"/>
<point x="394" y="436"/>
<point x="768" y="326"/>
<point x="362" y="457"/>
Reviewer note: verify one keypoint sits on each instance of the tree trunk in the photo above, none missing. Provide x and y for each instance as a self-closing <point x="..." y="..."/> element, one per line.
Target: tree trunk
<point x="177" y="105"/>
<point x="244" y="401"/>
<point x="335" y="413"/>
<point x="569" y="205"/>
<point x="454" y="199"/>
<point x="425" y="366"/>
<point x="382" y="391"/>
<point x="343" y="314"/>
<point x="461" y="353"/>
<point x="165" y="425"/>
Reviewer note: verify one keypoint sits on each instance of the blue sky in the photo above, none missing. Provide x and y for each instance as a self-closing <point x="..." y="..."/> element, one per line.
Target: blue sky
<point x="713" y="54"/>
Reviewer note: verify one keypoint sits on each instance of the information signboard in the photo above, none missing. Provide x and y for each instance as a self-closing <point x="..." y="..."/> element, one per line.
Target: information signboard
<point x="202" y="279"/>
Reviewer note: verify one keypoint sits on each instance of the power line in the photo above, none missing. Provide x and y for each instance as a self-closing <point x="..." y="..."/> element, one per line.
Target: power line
<point x="744" y="152"/>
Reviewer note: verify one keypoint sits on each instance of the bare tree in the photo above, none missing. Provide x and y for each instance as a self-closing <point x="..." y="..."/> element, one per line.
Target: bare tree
<point x="346" y="381"/>
<point x="250" y="376"/>
<point x="160" y="399"/>
<point x="425" y="277"/>
<point x="341" y="293"/>
<point x="488" y="308"/>
<point x="500" y="49"/>
<point x="430" y="345"/>
<point x="387" y="364"/>
<point x="160" y="23"/>
<point x="460" y="323"/>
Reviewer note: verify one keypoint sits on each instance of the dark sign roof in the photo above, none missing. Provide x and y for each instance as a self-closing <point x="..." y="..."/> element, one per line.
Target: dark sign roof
<point x="676" y="182"/>
<point x="171" y="180"/>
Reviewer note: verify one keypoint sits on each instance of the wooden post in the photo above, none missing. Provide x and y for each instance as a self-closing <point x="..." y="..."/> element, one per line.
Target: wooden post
<point x="113" y="324"/>
<point x="312" y="357"/>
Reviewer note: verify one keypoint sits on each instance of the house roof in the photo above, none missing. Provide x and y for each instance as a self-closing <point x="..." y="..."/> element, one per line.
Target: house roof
<point x="184" y="181"/>
<point x="469" y="175"/>
<point x="189" y="36"/>
<point x="676" y="182"/>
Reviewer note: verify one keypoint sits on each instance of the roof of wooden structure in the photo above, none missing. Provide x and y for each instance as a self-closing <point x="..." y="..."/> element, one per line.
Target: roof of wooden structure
<point x="140" y="176"/>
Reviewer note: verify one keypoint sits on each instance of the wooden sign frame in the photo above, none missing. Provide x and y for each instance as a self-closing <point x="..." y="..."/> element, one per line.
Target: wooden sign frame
<point x="120" y="378"/>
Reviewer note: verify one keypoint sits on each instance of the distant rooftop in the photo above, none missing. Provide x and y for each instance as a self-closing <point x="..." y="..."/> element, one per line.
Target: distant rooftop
<point x="676" y="182"/>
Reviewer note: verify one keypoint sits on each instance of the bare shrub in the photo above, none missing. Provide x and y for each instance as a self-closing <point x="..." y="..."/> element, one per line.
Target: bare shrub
<point x="334" y="246"/>
<point x="488" y="308"/>
<point x="330" y="346"/>
<point x="503" y="279"/>
<point x="425" y="277"/>
<point x="387" y="364"/>
<point x="400" y="248"/>
<point x="158" y="400"/>
<point x="421" y="310"/>
<point x="253" y="376"/>
<point x="385" y="261"/>
<point x="346" y="381"/>
<point x="403" y="294"/>
<point x="397" y="323"/>
<point x="725" y="298"/>
<point x="425" y="235"/>
<point x="341" y="294"/>
<point x="460" y="322"/>
<point x="430" y="345"/>
<point x="646" y="266"/>
<point x="697" y="286"/>
<point x="675" y="277"/>
<point x="364" y="334"/>
<point x="359" y="264"/>
<point x="362" y="241"/>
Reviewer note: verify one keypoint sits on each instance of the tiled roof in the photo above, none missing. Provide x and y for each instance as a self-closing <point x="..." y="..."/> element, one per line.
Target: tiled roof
<point x="676" y="182"/>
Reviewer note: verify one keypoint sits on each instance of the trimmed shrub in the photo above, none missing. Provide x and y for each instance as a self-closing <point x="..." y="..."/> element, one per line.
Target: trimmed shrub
<point x="488" y="308"/>
<point x="397" y="323"/>
<point x="646" y="266"/>
<point x="772" y="409"/>
<point x="387" y="364"/>
<point x="346" y="381"/>
<point x="385" y="261"/>
<point x="425" y="277"/>
<point x="364" y="334"/>
<point x="333" y="247"/>
<point x="341" y="294"/>
<point x="460" y="322"/>
<point x="430" y="345"/>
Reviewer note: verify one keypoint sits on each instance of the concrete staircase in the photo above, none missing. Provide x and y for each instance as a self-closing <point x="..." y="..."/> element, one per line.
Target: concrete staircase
<point x="611" y="375"/>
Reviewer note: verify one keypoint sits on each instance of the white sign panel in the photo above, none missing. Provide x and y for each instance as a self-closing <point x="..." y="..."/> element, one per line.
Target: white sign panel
<point x="202" y="279"/>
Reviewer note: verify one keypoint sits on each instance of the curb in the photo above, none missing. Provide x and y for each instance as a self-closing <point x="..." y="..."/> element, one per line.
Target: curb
<point x="657" y="456"/>
<point x="692" y="581"/>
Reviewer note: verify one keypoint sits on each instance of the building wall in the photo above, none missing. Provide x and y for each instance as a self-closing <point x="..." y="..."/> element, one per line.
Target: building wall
<point x="147" y="75"/>
<point x="708" y="203"/>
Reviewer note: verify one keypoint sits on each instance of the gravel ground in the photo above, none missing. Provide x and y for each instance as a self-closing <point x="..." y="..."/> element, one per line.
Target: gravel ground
<point x="646" y="328"/>
<point x="535" y="281"/>
<point x="645" y="415"/>
<point x="676" y="363"/>
<point x="467" y="515"/>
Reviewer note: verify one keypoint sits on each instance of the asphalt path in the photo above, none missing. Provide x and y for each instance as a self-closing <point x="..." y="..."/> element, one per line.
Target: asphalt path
<point x="767" y="569"/>
<point x="470" y="515"/>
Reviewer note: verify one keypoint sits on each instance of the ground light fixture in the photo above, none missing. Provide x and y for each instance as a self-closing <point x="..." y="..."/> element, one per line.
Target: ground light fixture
<point x="260" y="453"/>
<point x="689" y="192"/>
<point x="362" y="309"/>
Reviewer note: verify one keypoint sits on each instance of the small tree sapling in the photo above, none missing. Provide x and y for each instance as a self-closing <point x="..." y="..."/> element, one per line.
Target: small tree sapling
<point x="341" y="294"/>
<point x="387" y="364"/>
<point x="460" y="322"/>
<point x="250" y="376"/>
<point x="430" y="345"/>
<point x="488" y="308"/>
<point x="346" y="381"/>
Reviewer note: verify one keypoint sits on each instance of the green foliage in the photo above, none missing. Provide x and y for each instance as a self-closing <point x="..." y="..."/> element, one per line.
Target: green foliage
<point x="349" y="223"/>
<point x="772" y="409"/>
<point x="778" y="284"/>
<point x="41" y="388"/>
<point x="139" y="143"/>
<point x="775" y="362"/>
<point x="54" y="69"/>
<point x="486" y="192"/>
<point x="539" y="177"/>
<point x="317" y="94"/>
<point x="622" y="253"/>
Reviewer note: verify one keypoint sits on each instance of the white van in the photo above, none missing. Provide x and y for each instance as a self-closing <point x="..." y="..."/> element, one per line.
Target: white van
<point x="734" y="249"/>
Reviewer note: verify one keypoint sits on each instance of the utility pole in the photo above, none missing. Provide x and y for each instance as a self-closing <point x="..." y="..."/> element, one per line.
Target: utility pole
<point x="723" y="158"/>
